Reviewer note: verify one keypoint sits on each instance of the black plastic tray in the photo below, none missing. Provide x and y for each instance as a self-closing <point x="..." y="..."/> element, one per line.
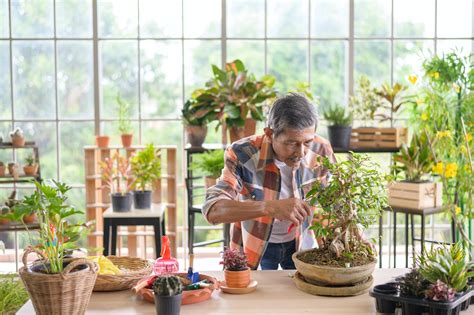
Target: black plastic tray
<point x="409" y="304"/>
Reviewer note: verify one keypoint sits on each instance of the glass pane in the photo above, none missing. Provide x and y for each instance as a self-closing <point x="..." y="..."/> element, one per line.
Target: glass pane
<point x="329" y="18"/>
<point x="202" y="18"/>
<point x="5" y="86"/>
<point x="118" y="18"/>
<point x="110" y="128"/>
<point x="287" y="18"/>
<point x="329" y="71"/>
<point x="32" y="18"/>
<point x="161" y="78"/>
<point x="44" y="134"/>
<point x="251" y="52"/>
<point x="71" y="24"/>
<point x="73" y="137"/>
<point x="371" y="58"/>
<point x="119" y="76"/>
<point x="414" y="18"/>
<point x="245" y="18"/>
<point x="33" y="79"/>
<point x="455" y="18"/>
<point x="5" y="128"/>
<point x="408" y="57"/>
<point x="154" y="132"/>
<point x="372" y="18"/>
<point x="160" y="18"/>
<point x="75" y="79"/>
<point x="199" y="55"/>
<point x="4" y="21"/>
<point x="462" y="46"/>
<point x="288" y="62"/>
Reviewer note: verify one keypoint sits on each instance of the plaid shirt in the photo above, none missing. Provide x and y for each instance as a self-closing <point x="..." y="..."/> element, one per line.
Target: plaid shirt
<point x="250" y="173"/>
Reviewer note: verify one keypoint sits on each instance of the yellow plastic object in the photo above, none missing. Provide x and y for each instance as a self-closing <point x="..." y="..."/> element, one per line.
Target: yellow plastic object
<point x="106" y="267"/>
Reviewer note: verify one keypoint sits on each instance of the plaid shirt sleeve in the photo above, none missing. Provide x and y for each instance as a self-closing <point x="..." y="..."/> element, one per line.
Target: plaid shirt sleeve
<point x="229" y="184"/>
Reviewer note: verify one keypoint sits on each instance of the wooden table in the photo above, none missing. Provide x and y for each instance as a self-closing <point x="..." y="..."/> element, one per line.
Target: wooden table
<point x="275" y="294"/>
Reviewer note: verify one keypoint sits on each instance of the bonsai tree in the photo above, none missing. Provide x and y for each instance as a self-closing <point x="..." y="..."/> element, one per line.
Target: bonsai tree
<point x="351" y="201"/>
<point x="124" y="122"/>
<point x="236" y="271"/>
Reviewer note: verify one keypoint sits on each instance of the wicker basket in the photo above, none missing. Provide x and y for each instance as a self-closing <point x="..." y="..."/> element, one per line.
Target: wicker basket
<point x="67" y="292"/>
<point x="133" y="269"/>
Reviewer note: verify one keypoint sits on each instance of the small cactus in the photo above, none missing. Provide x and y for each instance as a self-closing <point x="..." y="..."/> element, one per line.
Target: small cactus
<point x="440" y="291"/>
<point x="167" y="286"/>
<point x="16" y="133"/>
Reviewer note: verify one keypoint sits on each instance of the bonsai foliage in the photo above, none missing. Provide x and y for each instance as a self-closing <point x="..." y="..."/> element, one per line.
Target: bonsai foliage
<point x="413" y="284"/>
<point x="167" y="286"/>
<point x="338" y="116"/>
<point x="351" y="201"/>
<point x="233" y="260"/>
<point x="30" y="160"/>
<point x="210" y="163"/>
<point x="115" y="174"/>
<point x="448" y="264"/>
<point x="414" y="160"/>
<point x="440" y="292"/>
<point x="56" y="234"/>
<point x="146" y="167"/>
<point x="124" y="122"/>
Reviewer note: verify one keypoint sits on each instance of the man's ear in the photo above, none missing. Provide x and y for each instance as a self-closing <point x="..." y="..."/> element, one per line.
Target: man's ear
<point x="269" y="133"/>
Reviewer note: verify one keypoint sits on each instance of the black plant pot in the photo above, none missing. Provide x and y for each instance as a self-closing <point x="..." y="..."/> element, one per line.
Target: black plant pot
<point x="340" y="136"/>
<point x="412" y="309"/>
<point x="168" y="305"/>
<point x="383" y="305"/>
<point x="121" y="202"/>
<point x="142" y="199"/>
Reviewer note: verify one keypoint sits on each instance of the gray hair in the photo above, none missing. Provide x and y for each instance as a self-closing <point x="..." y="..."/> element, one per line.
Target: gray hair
<point x="292" y="111"/>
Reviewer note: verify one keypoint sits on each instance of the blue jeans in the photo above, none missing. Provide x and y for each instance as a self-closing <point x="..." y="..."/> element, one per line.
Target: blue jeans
<point x="278" y="254"/>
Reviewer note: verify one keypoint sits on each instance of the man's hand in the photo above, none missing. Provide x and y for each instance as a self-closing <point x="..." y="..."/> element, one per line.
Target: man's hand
<point x="293" y="209"/>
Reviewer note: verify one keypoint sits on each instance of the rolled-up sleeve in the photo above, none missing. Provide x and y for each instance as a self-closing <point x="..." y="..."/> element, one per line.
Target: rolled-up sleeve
<point x="229" y="184"/>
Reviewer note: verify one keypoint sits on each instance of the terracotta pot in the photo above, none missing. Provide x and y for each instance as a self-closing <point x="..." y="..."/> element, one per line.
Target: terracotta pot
<point x="31" y="218"/>
<point x="127" y="140"/>
<point x="196" y="135"/>
<point x="336" y="276"/>
<point x="4" y="221"/>
<point x="250" y="127"/>
<point x="2" y="170"/>
<point x="18" y="141"/>
<point x="209" y="181"/>
<point x="30" y="170"/>
<point x="102" y="141"/>
<point x="237" y="279"/>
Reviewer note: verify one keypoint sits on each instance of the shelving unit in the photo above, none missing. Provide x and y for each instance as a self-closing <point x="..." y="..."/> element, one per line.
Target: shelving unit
<point x="98" y="200"/>
<point x="9" y="179"/>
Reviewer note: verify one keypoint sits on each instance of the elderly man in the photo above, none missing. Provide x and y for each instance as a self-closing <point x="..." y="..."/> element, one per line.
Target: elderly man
<point x="261" y="191"/>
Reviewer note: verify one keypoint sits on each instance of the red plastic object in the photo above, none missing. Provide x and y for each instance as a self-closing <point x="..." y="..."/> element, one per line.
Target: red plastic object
<point x="165" y="264"/>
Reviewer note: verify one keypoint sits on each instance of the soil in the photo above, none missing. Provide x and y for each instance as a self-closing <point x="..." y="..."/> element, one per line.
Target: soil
<point x="323" y="257"/>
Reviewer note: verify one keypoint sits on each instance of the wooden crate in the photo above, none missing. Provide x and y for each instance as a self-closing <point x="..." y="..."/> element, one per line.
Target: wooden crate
<point x="415" y="195"/>
<point x="378" y="137"/>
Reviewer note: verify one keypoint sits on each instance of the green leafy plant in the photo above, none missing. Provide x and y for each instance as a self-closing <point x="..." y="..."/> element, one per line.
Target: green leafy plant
<point x="115" y="174"/>
<point x="305" y="89"/>
<point x="210" y="163"/>
<point x="196" y="110"/>
<point x="12" y="294"/>
<point x="413" y="284"/>
<point x="338" y="116"/>
<point x="167" y="286"/>
<point x="393" y="101"/>
<point x="351" y="201"/>
<point x="448" y="264"/>
<point x="124" y="122"/>
<point x="146" y="167"/>
<point x="233" y="260"/>
<point x="415" y="160"/>
<point x="30" y="160"/>
<point x="365" y="102"/>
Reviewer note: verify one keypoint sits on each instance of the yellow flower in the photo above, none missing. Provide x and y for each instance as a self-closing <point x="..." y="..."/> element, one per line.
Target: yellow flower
<point x="435" y="75"/>
<point x="457" y="210"/>
<point x="438" y="168"/>
<point x="412" y="78"/>
<point x="419" y="101"/>
<point x="456" y="87"/>
<point x="442" y="134"/>
<point x="451" y="170"/>
<point x="424" y="116"/>
<point x="463" y="149"/>
<point x="467" y="168"/>
<point x="468" y="137"/>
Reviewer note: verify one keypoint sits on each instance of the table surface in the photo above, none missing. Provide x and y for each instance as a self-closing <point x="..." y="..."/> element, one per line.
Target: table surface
<point x="275" y="293"/>
<point x="156" y="211"/>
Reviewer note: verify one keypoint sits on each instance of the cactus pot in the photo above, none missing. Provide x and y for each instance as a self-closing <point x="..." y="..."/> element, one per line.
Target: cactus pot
<point x="168" y="305"/>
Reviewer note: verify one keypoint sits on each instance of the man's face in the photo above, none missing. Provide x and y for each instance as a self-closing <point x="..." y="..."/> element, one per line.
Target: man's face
<point x="291" y="145"/>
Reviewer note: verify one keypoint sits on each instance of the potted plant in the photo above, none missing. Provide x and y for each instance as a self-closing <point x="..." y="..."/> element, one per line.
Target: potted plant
<point x="2" y="169"/>
<point x="236" y="271"/>
<point x="211" y="164"/>
<point x="351" y="201"/>
<point x="115" y="178"/>
<point x="31" y="167"/>
<point x="13" y="169"/>
<point x="18" y="139"/>
<point x="124" y="123"/>
<point x="4" y="211"/>
<point x="55" y="285"/>
<point x="168" y="295"/>
<point x="414" y="285"/>
<point x="339" y="126"/>
<point x="415" y="161"/>
<point x="146" y="169"/>
<point x="194" y="119"/>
